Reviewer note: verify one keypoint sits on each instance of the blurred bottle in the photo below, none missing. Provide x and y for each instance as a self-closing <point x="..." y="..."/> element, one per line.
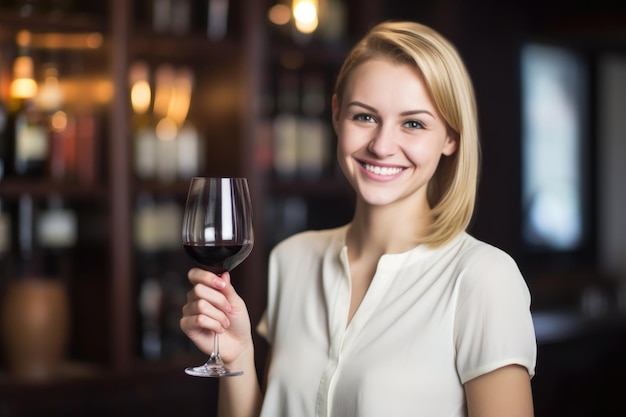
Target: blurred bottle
<point x="150" y="310"/>
<point x="313" y="131"/>
<point x="58" y="125"/>
<point x="25" y="253"/>
<point x="190" y="151"/>
<point x="161" y="13"/>
<point x="31" y="140"/>
<point x="333" y="19"/>
<point x="285" y="127"/>
<point x="180" y="19"/>
<point x="27" y="122"/>
<point x="217" y="22"/>
<point x="57" y="233"/>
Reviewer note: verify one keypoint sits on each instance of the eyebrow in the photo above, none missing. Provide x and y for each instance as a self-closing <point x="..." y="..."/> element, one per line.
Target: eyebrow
<point x="404" y="113"/>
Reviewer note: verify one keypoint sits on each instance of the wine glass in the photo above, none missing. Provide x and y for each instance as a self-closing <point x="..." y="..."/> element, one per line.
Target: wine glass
<point x="218" y="236"/>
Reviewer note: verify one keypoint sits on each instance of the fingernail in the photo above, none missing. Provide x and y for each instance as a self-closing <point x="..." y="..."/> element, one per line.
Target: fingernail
<point x="220" y="283"/>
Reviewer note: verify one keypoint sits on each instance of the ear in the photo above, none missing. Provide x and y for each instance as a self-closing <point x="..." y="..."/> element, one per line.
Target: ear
<point x="334" y="106"/>
<point x="451" y="144"/>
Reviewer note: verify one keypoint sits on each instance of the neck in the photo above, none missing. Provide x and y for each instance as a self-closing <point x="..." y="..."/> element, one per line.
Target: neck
<point x="376" y="230"/>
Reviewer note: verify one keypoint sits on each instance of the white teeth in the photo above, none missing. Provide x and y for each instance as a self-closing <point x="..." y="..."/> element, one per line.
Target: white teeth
<point x="382" y="170"/>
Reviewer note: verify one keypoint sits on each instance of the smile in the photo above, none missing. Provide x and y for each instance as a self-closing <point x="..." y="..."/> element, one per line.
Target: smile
<point x="382" y="170"/>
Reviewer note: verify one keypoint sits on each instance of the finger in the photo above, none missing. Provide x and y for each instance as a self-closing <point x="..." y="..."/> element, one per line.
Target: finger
<point x="202" y="315"/>
<point x="201" y="276"/>
<point x="206" y="308"/>
<point x="199" y="325"/>
<point x="209" y="294"/>
<point x="227" y="289"/>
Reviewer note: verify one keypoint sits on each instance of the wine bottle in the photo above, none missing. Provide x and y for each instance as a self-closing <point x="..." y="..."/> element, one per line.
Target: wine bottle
<point x="150" y="306"/>
<point x="31" y="140"/>
<point x="333" y="21"/>
<point x="27" y="261"/>
<point x="161" y="15"/>
<point x="189" y="151"/>
<point x="88" y="142"/>
<point x="313" y="130"/>
<point x="217" y="26"/>
<point x="180" y="17"/>
<point x="285" y="128"/>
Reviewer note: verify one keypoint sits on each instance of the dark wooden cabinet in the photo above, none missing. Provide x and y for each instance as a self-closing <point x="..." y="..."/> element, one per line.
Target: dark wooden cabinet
<point x="237" y="83"/>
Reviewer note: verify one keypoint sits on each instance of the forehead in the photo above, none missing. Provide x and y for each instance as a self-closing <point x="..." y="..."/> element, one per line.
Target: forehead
<point x="387" y="82"/>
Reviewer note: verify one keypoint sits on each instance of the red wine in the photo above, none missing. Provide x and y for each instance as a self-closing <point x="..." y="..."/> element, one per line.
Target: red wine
<point x="218" y="258"/>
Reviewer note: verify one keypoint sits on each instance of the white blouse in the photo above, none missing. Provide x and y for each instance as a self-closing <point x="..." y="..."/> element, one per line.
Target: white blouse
<point x="431" y="320"/>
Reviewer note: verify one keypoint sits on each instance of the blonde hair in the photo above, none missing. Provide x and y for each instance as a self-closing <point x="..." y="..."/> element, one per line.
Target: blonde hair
<point x="452" y="190"/>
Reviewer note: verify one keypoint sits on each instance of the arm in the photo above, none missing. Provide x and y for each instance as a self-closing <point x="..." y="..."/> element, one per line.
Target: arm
<point x="240" y="396"/>
<point x="213" y="306"/>
<point x="505" y="392"/>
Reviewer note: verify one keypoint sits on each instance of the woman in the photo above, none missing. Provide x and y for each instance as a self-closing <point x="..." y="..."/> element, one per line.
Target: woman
<point x="400" y="312"/>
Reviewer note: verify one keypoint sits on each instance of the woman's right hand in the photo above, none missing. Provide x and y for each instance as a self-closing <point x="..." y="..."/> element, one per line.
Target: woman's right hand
<point x="213" y="306"/>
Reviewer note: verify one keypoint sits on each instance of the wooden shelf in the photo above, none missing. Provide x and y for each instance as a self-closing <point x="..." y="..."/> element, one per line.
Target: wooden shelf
<point x="186" y="47"/>
<point x="11" y="22"/>
<point x="14" y="188"/>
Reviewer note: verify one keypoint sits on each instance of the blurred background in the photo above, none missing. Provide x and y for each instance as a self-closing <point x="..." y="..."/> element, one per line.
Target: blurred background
<point x="107" y="108"/>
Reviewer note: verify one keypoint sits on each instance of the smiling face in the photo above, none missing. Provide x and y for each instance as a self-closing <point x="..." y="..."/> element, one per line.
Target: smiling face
<point x="391" y="136"/>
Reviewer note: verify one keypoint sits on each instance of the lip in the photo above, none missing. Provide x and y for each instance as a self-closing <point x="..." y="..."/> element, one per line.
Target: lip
<point x="380" y="172"/>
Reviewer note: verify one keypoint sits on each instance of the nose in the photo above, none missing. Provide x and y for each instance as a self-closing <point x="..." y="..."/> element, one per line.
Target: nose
<point x="383" y="143"/>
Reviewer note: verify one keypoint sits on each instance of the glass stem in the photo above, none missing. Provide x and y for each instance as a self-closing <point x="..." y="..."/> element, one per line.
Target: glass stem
<point x="216" y="345"/>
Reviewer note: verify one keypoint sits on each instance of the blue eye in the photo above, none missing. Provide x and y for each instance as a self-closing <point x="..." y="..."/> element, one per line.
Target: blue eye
<point x="363" y="117"/>
<point x="413" y="124"/>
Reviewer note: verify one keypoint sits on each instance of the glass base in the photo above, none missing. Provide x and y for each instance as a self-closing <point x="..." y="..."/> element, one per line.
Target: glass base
<point x="213" y="368"/>
<point x="211" y="371"/>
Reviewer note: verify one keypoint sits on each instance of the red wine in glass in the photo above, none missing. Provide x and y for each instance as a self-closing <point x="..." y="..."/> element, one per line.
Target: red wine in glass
<point x="218" y="258"/>
<point x="218" y="236"/>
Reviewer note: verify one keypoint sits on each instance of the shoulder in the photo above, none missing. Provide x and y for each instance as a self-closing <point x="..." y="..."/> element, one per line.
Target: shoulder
<point x="475" y="253"/>
<point x="482" y="264"/>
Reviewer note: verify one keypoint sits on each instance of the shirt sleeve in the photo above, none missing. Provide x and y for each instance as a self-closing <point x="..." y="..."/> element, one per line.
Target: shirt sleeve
<point x="493" y="324"/>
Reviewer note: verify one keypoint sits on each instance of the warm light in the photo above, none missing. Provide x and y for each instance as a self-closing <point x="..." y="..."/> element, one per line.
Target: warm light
<point x="140" y="92"/>
<point x="181" y="96"/>
<point x="164" y="83"/>
<point x="305" y="15"/>
<point x="50" y="94"/>
<point x="58" y="121"/>
<point x="23" y="84"/>
<point x="94" y="40"/>
<point x="279" y="14"/>
<point x="140" y="96"/>
<point x="23" y="38"/>
<point x="166" y="129"/>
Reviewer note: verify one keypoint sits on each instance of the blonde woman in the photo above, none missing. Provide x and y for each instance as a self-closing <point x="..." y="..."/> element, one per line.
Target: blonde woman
<point x="400" y="312"/>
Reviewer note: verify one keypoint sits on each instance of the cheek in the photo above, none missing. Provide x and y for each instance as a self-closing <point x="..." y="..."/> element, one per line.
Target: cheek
<point x="346" y="143"/>
<point x="423" y="155"/>
<point x="343" y="153"/>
